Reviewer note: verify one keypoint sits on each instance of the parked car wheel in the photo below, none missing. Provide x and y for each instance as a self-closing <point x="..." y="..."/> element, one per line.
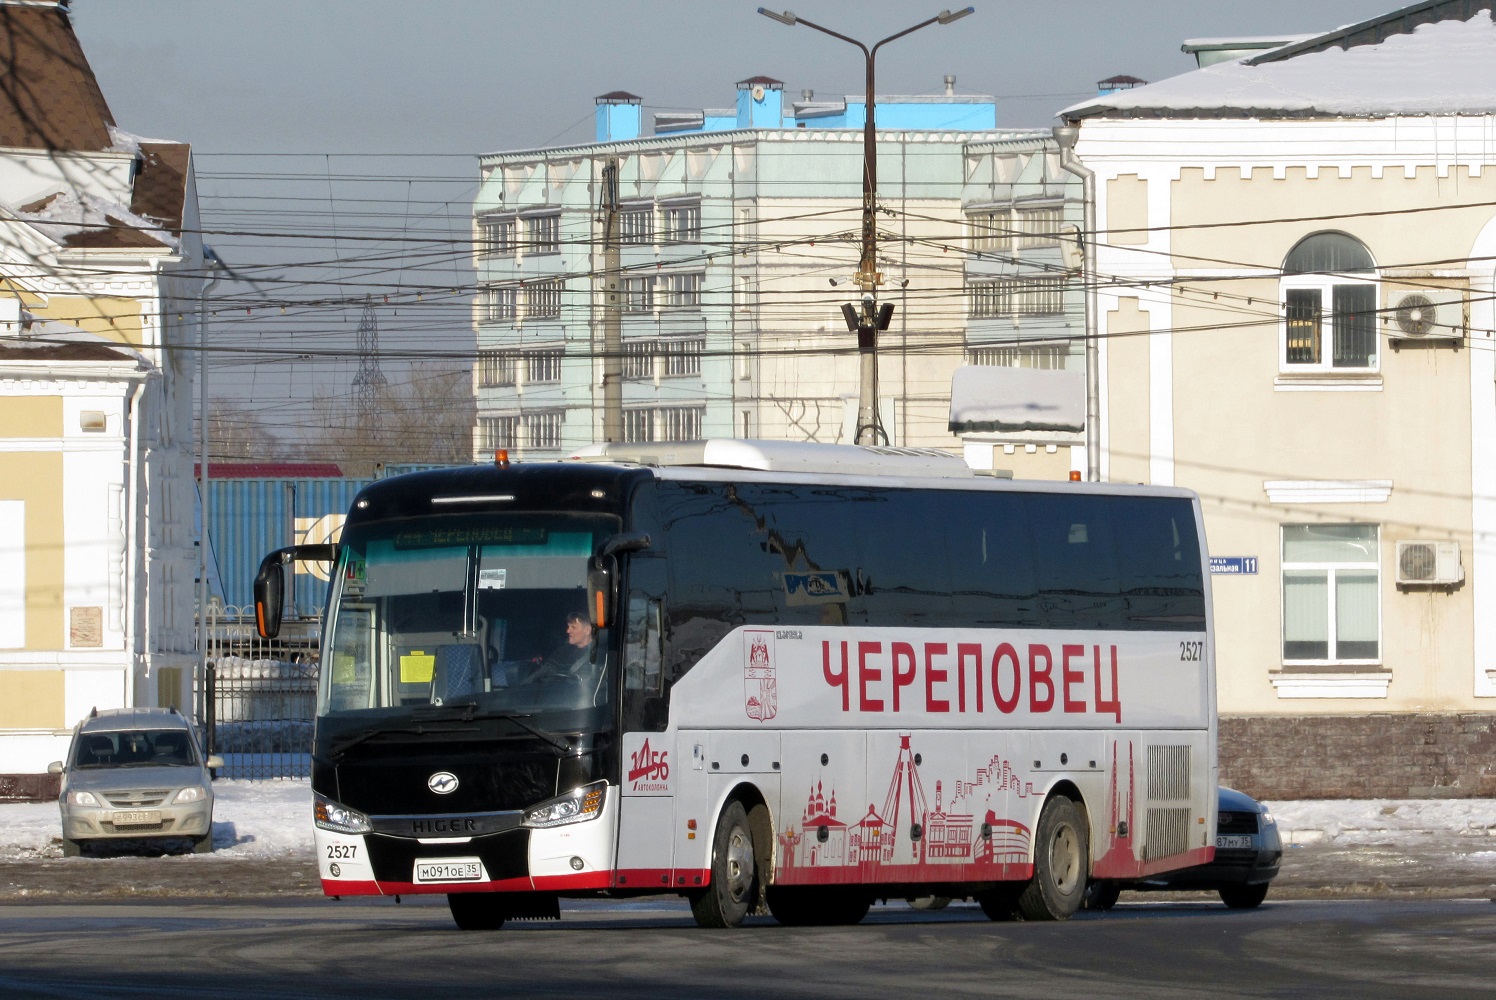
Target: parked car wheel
<point x="1101" y="895"/>
<point x="203" y="844"/>
<point x="930" y="902"/>
<point x="71" y="848"/>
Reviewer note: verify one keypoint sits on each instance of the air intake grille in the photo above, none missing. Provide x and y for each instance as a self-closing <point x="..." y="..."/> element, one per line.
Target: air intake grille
<point x="1168" y="833"/>
<point x="1168" y="773"/>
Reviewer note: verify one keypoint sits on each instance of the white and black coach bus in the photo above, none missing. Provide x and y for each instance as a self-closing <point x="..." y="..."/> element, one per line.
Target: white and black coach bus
<point x="797" y="675"/>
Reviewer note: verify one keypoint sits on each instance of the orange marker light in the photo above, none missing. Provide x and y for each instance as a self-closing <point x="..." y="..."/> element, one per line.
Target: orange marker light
<point x="1075" y="475"/>
<point x="501" y="458"/>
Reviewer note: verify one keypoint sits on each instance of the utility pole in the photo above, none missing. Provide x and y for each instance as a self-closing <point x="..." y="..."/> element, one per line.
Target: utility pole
<point x="612" y="308"/>
<point x="870" y="317"/>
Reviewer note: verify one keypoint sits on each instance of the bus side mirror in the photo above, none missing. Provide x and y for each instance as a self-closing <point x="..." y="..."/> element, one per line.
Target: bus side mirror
<point x="270" y="583"/>
<point x="600" y="573"/>
<point x="600" y="593"/>
<point x="270" y="595"/>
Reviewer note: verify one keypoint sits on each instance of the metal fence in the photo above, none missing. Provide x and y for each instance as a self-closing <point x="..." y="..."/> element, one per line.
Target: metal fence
<point x="261" y="695"/>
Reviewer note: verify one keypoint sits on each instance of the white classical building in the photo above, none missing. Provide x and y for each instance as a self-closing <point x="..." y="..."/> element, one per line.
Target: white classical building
<point x="101" y="269"/>
<point x="1295" y="280"/>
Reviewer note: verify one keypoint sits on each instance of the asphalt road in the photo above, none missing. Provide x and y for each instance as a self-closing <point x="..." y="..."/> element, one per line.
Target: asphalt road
<point x="1444" y="866"/>
<point x="1156" y="949"/>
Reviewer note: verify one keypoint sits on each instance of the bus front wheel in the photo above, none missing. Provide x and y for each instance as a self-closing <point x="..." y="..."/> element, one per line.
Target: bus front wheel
<point x="733" y="892"/>
<point x="477" y="911"/>
<point x="1061" y="857"/>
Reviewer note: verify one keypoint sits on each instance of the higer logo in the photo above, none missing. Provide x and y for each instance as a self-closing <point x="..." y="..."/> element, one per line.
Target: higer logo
<point x="649" y="770"/>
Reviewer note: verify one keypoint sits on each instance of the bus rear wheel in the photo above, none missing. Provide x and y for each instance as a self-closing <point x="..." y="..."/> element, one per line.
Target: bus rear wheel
<point x="733" y="892"/>
<point x="1062" y="853"/>
<point x="477" y="911"/>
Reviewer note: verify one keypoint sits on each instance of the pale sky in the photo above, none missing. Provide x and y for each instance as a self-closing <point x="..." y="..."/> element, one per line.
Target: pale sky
<point x="387" y="102"/>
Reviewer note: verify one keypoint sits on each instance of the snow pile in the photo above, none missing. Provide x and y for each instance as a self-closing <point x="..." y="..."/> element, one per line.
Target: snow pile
<point x="273" y="819"/>
<point x="243" y="668"/>
<point x="1383" y="821"/>
<point x="251" y="819"/>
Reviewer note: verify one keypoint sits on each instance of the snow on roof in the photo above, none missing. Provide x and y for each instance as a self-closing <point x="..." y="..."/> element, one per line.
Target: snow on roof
<point x="77" y="218"/>
<point x="1444" y="67"/>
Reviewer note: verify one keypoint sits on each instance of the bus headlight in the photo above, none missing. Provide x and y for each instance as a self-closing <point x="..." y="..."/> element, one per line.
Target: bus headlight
<point x="576" y="806"/>
<point x="338" y="818"/>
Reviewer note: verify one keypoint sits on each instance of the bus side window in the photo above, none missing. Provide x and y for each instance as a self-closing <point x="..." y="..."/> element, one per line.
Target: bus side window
<point x="646" y="691"/>
<point x="643" y="654"/>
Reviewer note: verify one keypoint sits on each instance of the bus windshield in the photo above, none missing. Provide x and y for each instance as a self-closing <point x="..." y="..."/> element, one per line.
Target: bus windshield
<point x="485" y="610"/>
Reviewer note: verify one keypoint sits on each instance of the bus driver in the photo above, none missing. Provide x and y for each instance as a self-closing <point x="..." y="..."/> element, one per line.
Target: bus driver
<point x="571" y="658"/>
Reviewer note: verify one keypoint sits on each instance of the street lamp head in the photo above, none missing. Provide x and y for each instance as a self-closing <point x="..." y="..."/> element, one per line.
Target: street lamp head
<point x="788" y="17"/>
<point x="946" y="17"/>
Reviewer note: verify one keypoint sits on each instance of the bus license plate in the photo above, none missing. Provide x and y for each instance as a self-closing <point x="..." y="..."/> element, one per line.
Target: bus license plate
<point x="1229" y="842"/>
<point x="450" y="870"/>
<point x="137" y="817"/>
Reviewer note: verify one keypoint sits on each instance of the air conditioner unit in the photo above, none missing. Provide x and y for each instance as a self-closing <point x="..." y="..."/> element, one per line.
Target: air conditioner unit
<point x="1425" y="314"/>
<point x="1432" y="564"/>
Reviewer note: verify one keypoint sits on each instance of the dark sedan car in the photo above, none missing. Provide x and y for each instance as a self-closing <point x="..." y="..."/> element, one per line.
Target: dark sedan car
<point x="1248" y="851"/>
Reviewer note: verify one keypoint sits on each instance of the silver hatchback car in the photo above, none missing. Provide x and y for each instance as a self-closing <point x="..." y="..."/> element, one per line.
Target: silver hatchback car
<point x="136" y="774"/>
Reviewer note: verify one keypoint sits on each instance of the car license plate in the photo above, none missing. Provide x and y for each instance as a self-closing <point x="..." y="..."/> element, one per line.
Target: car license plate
<point x="137" y="817"/>
<point x="1229" y="842"/>
<point x="450" y="870"/>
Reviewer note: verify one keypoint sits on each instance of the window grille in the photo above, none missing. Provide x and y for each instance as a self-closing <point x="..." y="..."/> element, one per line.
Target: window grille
<point x="682" y="357"/>
<point x="638" y="361"/>
<point x="990" y="230"/>
<point x="543" y="299"/>
<point x="681" y="423"/>
<point x="498" y="432"/>
<point x="499" y="234"/>
<point x="543" y="233"/>
<point x="500" y="303"/>
<point x="682" y="223"/>
<point x="543" y="366"/>
<point x="638" y="425"/>
<point x="497" y="368"/>
<point x="543" y="429"/>
<point x="638" y="295"/>
<point x="681" y="291"/>
<point x="636" y="226"/>
<point x="1039" y="227"/>
<point x="1048" y="357"/>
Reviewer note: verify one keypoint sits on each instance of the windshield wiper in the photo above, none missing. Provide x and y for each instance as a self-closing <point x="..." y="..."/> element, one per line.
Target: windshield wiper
<point x="341" y="747"/>
<point x="470" y="713"/>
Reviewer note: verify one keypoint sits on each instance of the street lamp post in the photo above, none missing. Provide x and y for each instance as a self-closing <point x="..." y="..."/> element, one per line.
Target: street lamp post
<point x="869" y="318"/>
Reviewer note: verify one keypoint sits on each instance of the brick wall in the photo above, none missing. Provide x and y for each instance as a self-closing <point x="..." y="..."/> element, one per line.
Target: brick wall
<point x="1360" y="757"/>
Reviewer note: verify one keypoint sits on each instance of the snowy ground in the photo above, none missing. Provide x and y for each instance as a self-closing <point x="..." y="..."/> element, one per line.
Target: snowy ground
<point x="272" y="819"/>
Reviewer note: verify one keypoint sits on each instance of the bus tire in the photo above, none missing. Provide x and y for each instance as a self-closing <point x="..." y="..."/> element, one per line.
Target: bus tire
<point x="1243" y="897"/>
<point x="477" y="911"/>
<point x="1062" y="854"/>
<point x="733" y="892"/>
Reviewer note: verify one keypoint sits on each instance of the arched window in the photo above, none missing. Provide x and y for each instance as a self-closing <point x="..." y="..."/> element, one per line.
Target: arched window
<point x="1329" y="302"/>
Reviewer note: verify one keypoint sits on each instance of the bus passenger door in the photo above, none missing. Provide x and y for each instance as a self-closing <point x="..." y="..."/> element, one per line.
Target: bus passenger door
<point x="650" y="771"/>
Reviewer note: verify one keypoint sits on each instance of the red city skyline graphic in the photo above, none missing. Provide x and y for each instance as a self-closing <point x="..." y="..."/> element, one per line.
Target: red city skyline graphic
<point x="948" y="834"/>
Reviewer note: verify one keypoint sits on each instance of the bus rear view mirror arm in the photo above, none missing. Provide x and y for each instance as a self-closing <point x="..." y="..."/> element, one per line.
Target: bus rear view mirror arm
<point x="624" y="541"/>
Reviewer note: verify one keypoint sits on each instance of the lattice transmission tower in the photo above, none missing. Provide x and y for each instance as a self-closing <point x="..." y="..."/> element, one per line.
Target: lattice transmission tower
<point x="369" y="380"/>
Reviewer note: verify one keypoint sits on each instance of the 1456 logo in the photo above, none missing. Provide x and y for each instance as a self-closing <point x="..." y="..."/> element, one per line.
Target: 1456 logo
<point x="649" y="770"/>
